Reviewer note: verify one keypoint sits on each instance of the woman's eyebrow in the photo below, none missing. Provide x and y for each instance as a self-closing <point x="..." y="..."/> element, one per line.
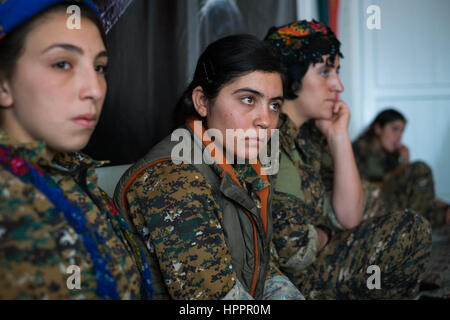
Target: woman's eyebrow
<point x="74" y="49"/>
<point x="259" y="94"/>
<point x="102" y="54"/>
<point x="65" y="46"/>
<point x="249" y="90"/>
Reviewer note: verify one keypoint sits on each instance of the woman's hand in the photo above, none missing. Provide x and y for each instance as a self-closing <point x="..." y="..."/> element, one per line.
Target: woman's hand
<point x="403" y="152"/>
<point x="338" y="123"/>
<point x="323" y="239"/>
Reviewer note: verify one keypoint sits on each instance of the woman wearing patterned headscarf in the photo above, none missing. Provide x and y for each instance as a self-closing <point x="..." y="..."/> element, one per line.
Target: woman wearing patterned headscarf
<point x="60" y="235"/>
<point x="318" y="185"/>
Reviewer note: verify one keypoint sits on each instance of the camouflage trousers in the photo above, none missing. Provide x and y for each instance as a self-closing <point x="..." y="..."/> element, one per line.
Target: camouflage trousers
<point x="398" y="243"/>
<point x="413" y="188"/>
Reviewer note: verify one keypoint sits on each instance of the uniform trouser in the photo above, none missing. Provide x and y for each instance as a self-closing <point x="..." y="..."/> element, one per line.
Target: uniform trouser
<point x="398" y="243"/>
<point x="413" y="188"/>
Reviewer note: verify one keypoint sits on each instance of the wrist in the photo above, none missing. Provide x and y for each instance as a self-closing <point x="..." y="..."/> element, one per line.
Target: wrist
<point x="339" y="142"/>
<point x="337" y="135"/>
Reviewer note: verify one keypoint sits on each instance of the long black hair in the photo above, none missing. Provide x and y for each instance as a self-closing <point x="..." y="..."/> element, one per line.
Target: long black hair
<point x="222" y="62"/>
<point x="384" y="117"/>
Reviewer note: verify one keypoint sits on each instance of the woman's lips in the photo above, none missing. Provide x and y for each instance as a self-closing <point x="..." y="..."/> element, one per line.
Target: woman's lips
<point x="87" y="121"/>
<point x="333" y="101"/>
<point x="255" y="141"/>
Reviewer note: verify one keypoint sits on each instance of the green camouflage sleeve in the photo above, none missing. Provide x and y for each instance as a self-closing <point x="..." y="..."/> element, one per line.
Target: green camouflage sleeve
<point x="28" y="268"/>
<point x="294" y="238"/>
<point x="33" y="263"/>
<point x="278" y="286"/>
<point x="281" y="288"/>
<point x="174" y="209"/>
<point x="330" y="213"/>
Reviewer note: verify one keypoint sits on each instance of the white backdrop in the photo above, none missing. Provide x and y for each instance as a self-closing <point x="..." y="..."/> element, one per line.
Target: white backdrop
<point x="404" y="64"/>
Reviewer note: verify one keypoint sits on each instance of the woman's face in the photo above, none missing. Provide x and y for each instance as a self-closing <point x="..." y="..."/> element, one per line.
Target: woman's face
<point x="252" y="103"/>
<point x="319" y="92"/>
<point x="58" y="87"/>
<point x="390" y="136"/>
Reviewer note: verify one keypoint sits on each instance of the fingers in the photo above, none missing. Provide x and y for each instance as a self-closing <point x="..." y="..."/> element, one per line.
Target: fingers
<point x="340" y="107"/>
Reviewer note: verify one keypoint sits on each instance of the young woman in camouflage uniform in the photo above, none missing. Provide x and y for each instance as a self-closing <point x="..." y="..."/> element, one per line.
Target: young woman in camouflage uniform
<point x="60" y="236"/>
<point x="208" y="222"/>
<point x="382" y="159"/>
<point x="328" y="228"/>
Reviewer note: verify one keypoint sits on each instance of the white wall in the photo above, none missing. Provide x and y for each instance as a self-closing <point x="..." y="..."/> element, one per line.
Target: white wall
<point x="405" y="64"/>
<point x="307" y="10"/>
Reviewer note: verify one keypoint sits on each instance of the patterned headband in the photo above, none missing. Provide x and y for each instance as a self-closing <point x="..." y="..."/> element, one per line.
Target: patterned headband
<point x="304" y="41"/>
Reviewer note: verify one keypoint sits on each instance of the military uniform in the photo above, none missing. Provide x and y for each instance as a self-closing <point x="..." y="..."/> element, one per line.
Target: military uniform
<point x="206" y="224"/>
<point x="38" y="242"/>
<point x="412" y="187"/>
<point x="399" y="243"/>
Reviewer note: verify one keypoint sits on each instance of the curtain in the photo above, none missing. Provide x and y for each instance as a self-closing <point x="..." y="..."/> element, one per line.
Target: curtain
<point x="329" y="13"/>
<point x="153" y="48"/>
<point x="111" y="11"/>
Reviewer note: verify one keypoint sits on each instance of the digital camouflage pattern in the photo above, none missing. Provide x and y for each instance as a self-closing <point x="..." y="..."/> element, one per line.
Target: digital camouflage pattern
<point x="398" y="242"/>
<point x="412" y="187"/>
<point x="177" y="213"/>
<point x="37" y="244"/>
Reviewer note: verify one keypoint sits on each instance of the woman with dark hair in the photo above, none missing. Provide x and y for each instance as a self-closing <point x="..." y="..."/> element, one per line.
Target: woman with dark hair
<point x="384" y="160"/>
<point x="206" y="213"/>
<point x="60" y="236"/>
<point x="318" y="185"/>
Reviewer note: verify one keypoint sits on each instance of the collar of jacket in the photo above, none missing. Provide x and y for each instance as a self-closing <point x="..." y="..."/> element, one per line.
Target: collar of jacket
<point x="36" y="153"/>
<point x="226" y="172"/>
<point x="307" y="139"/>
<point x="288" y="133"/>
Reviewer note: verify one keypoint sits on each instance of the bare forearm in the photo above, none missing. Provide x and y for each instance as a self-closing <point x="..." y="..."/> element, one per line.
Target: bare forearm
<point x="347" y="197"/>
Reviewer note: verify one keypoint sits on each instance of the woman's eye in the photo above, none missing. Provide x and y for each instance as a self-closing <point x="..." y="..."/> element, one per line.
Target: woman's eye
<point x="324" y="73"/>
<point x="101" y="68"/>
<point x="63" y="65"/>
<point x="275" y="106"/>
<point x="248" y="100"/>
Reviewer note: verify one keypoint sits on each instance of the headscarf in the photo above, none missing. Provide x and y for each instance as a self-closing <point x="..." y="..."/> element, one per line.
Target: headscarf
<point x="304" y="41"/>
<point x="300" y="44"/>
<point x="13" y="13"/>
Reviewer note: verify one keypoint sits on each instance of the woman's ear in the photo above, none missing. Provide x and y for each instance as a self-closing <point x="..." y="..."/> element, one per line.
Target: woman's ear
<point x="6" y="99"/>
<point x="200" y="101"/>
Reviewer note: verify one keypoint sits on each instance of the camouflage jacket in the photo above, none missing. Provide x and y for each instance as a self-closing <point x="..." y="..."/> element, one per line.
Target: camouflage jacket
<point x="302" y="198"/>
<point x="37" y="243"/>
<point x="303" y="188"/>
<point x="373" y="164"/>
<point x="203" y="242"/>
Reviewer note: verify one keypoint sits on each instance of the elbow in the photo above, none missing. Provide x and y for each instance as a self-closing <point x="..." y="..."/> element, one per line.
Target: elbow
<point x="352" y="219"/>
<point x="352" y="223"/>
